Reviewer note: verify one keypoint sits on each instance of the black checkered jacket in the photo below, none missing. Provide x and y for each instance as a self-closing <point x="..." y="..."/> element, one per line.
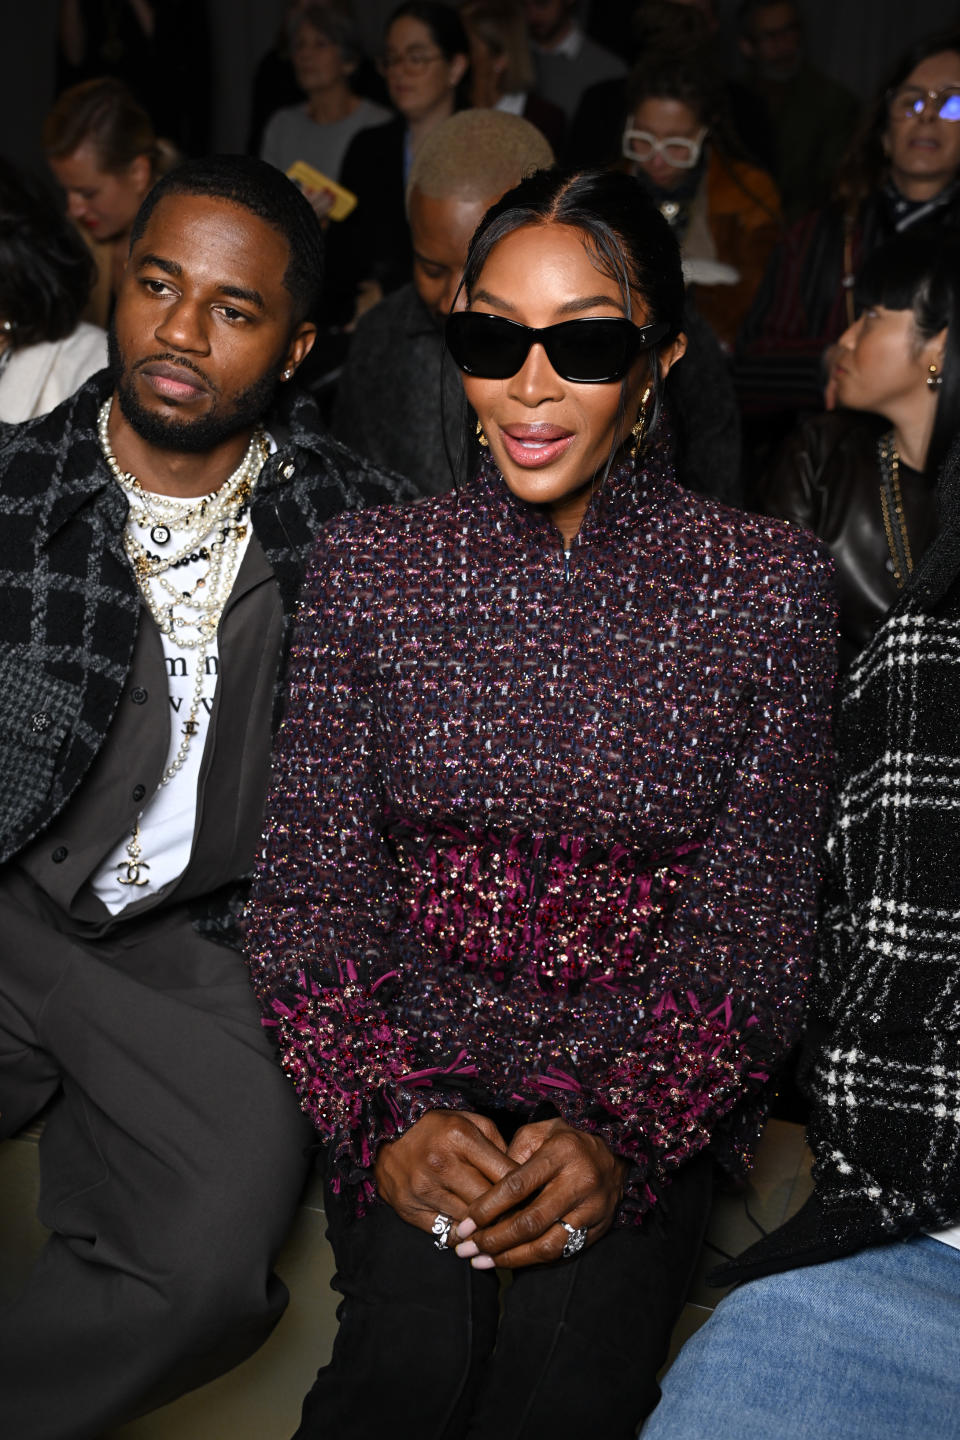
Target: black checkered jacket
<point x="883" y="1057"/>
<point x="69" y="603"/>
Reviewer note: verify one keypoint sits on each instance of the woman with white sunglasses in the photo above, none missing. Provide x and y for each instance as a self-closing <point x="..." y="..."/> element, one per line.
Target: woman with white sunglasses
<point x="724" y="211"/>
<point x="536" y="896"/>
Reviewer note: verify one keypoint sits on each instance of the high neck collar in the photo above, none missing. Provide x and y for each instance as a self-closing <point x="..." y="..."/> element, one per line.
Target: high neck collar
<point x="617" y="499"/>
<point x="903" y="212"/>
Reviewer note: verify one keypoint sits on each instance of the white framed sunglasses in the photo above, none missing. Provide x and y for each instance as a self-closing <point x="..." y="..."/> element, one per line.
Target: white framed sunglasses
<point x="677" y="150"/>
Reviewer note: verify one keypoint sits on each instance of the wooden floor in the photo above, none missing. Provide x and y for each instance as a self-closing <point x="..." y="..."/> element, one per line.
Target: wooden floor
<point x="260" y="1400"/>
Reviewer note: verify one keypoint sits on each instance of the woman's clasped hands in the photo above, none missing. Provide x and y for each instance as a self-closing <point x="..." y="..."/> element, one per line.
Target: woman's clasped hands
<point x="510" y="1205"/>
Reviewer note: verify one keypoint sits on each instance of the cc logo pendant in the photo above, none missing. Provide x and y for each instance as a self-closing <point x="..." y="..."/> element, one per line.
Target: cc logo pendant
<point x="133" y="876"/>
<point x="160" y="534"/>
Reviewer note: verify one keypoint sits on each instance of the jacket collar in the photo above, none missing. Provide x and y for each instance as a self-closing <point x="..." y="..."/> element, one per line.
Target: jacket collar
<point x="80" y="474"/>
<point x="627" y="492"/>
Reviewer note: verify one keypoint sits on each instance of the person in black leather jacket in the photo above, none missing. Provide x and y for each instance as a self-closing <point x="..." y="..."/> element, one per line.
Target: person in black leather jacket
<point x="863" y="478"/>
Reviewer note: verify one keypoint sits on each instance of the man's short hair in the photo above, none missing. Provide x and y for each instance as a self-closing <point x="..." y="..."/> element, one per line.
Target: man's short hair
<point x="477" y="154"/>
<point x="266" y="192"/>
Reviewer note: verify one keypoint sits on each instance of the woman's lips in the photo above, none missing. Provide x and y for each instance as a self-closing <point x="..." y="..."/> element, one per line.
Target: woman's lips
<point x="533" y="446"/>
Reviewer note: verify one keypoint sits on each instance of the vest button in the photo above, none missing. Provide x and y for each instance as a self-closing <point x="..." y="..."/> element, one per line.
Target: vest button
<point x="60" y="854"/>
<point x="40" y="721"/>
<point x="139" y="791"/>
<point x="138" y="695"/>
<point x="288" y="471"/>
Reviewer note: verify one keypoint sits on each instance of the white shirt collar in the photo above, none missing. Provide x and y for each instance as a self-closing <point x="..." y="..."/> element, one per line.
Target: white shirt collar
<point x="570" y="46"/>
<point x="512" y="103"/>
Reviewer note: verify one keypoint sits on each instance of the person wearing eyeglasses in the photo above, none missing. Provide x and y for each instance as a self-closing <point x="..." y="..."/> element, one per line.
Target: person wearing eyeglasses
<point x="724" y="211"/>
<point x="535" y="899"/>
<point x="425" y="60"/>
<point x="903" y="169"/>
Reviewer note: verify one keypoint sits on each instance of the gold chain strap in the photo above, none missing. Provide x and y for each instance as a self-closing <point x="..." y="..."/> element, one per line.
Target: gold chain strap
<point x="890" y="487"/>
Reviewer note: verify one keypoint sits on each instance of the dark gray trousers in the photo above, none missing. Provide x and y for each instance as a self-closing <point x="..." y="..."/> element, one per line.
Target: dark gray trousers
<point x="170" y="1165"/>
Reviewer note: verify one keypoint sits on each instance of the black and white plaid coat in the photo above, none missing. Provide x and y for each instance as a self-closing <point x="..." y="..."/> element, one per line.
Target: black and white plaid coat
<point x="883" y="1056"/>
<point x="69" y="603"/>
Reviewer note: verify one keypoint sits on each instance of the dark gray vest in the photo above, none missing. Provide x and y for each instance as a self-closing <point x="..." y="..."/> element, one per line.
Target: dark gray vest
<point x="233" y="775"/>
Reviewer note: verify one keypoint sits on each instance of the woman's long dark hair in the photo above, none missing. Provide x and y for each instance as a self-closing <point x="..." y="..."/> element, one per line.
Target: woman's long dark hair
<point x="920" y="271"/>
<point x="627" y="236"/>
<point x="46" y="270"/>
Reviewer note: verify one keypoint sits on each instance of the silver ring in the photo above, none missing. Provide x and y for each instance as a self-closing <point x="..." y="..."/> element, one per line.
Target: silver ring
<point x="441" y="1227"/>
<point x="577" y="1238"/>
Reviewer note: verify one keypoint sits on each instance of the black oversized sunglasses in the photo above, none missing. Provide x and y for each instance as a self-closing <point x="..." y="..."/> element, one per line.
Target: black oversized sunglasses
<point x="587" y="352"/>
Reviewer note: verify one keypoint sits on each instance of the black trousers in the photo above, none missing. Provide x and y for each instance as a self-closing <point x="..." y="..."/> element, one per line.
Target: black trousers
<point x="170" y="1166"/>
<point x="423" y="1352"/>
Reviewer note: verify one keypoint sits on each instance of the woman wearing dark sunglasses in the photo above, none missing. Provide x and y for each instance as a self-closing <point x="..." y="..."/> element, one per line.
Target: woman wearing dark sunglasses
<point x="536" y="896"/>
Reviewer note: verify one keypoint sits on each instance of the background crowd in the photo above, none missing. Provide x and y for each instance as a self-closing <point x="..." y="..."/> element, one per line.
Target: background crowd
<point x="779" y="179"/>
<point x="815" y="286"/>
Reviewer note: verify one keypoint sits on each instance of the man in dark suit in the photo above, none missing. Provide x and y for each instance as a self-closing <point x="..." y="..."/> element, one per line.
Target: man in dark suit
<point x="156" y="527"/>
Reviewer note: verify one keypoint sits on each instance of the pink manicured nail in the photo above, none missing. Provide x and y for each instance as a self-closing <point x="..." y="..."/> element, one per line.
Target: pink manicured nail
<point x="483" y="1262"/>
<point x="466" y="1228"/>
<point x="467" y="1249"/>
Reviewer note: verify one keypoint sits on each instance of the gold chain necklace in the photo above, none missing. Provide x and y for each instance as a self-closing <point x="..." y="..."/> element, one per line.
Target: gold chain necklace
<point x="891" y="503"/>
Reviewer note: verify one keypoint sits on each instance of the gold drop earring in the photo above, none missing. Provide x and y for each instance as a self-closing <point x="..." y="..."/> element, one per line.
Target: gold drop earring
<point x="481" y="438"/>
<point x="934" y="378"/>
<point x="641" y="422"/>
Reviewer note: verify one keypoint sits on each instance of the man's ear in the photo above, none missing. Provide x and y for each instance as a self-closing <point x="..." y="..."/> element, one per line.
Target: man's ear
<point x="301" y="343"/>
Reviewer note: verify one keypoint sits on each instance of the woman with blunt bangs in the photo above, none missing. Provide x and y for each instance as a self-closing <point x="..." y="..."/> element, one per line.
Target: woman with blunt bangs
<point x="863" y="477"/>
<point x="535" y="903"/>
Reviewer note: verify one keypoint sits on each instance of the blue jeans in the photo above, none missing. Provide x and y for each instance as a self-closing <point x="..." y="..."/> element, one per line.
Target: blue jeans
<point x="864" y="1348"/>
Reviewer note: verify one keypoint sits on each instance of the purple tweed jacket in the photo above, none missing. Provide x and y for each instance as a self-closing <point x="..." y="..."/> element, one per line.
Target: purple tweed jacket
<point x="544" y="829"/>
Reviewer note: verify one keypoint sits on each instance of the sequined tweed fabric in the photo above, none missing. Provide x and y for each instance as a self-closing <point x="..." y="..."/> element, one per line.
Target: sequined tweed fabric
<point x="545" y="831"/>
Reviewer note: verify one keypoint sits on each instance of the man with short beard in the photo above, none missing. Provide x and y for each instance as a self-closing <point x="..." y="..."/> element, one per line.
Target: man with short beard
<point x="156" y="527"/>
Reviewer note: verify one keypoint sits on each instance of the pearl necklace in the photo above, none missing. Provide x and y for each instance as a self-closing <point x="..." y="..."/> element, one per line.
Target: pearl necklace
<point x="214" y="530"/>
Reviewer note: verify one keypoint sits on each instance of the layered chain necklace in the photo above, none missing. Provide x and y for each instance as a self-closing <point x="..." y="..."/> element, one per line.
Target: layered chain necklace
<point x="891" y="502"/>
<point x="209" y="530"/>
